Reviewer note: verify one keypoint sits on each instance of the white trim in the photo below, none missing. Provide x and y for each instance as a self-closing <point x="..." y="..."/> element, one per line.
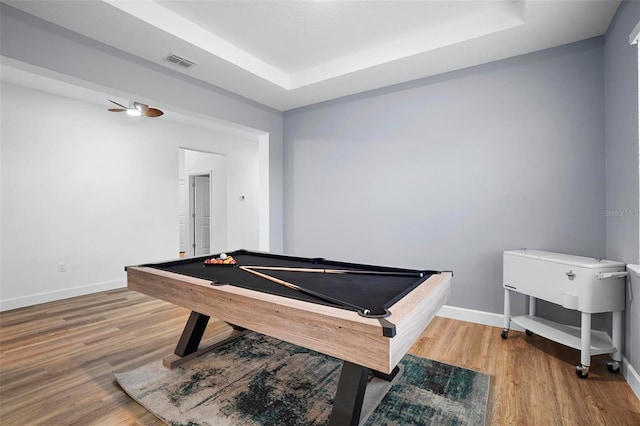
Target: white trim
<point x="264" y="227"/>
<point x="631" y="375"/>
<point x="633" y="37"/>
<point x="478" y="317"/>
<point x="51" y="296"/>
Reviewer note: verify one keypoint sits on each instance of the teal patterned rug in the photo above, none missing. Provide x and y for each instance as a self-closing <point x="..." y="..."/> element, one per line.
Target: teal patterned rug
<point x="257" y="380"/>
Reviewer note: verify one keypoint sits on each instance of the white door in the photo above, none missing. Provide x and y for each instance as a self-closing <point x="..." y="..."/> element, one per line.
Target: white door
<point x="201" y="205"/>
<point x="182" y="218"/>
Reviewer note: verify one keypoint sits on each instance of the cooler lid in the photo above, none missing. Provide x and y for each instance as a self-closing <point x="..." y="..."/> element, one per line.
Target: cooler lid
<point x="566" y="259"/>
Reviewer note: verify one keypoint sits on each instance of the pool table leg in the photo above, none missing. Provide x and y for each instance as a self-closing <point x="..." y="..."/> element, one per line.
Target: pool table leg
<point x="191" y="345"/>
<point x="358" y="395"/>
<point x="192" y="334"/>
<point x="347" y="404"/>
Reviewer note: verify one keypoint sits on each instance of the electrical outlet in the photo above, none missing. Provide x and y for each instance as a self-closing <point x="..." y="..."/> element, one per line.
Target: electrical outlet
<point x="62" y="267"/>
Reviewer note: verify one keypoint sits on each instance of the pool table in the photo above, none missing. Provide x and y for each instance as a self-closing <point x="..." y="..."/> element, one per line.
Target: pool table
<point x="366" y="315"/>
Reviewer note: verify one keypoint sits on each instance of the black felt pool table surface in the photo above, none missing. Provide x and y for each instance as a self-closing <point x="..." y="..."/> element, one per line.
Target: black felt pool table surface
<point x="375" y="292"/>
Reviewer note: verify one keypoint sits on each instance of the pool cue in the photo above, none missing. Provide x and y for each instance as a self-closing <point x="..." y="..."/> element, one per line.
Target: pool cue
<point x="304" y="290"/>
<point x="338" y="271"/>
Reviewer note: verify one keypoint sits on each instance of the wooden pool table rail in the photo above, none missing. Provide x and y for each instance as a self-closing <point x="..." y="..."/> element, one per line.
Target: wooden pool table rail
<point x="336" y="332"/>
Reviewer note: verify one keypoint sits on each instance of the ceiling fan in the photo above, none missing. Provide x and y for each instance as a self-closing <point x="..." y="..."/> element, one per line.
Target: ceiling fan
<point x="137" y="109"/>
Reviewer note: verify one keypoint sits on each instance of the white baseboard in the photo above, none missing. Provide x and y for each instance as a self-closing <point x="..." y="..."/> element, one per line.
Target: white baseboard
<point x="51" y="296"/>
<point x="497" y="320"/>
<point x="478" y="317"/>
<point x="631" y="376"/>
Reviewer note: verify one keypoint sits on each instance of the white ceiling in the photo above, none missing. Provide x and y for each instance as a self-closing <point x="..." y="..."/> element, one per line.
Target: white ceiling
<point x="288" y="54"/>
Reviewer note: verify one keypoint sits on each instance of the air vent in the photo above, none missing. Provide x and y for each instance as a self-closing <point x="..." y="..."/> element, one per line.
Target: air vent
<point x="179" y="60"/>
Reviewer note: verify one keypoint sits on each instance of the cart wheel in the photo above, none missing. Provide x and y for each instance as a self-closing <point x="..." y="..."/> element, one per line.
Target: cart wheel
<point x="582" y="371"/>
<point x="529" y="332"/>
<point x="613" y="366"/>
<point x="505" y="333"/>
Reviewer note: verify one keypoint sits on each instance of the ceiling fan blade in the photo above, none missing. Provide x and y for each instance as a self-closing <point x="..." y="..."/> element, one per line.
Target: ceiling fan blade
<point x="152" y="112"/>
<point x="121" y="106"/>
<point x="116" y="110"/>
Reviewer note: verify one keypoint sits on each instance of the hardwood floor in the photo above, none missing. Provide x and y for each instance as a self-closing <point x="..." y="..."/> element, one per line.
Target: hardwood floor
<point x="57" y="362"/>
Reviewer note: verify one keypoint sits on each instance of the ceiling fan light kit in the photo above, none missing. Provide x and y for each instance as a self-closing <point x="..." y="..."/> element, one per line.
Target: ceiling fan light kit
<point x="137" y="109"/>
<point x="134" y="112"/>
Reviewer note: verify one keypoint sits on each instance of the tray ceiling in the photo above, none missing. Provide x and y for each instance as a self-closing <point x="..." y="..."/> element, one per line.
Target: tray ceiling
<point x="288" y="54"/>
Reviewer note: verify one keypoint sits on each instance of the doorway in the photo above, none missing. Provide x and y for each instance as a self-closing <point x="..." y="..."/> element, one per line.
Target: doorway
<point x="203" y="203"/>
<point x="234" y="202"/>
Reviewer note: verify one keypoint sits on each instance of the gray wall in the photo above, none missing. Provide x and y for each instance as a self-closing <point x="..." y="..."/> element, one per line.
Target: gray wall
<point x="621" y="106"/>
<point x="448" y="172"/>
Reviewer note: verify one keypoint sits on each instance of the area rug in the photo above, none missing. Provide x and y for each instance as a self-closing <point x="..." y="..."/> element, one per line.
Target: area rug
<point x="257" y="380"/>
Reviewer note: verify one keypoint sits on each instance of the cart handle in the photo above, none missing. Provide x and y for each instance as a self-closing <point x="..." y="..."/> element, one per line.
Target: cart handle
<point x="605" y="275"/>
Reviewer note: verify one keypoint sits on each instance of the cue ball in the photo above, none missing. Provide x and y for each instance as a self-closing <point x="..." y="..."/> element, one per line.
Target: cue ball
<point x="223" y="256"/>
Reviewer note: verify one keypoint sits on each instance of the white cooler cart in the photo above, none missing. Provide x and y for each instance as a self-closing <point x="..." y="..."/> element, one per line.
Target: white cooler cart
<point x="578" y="283"/>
